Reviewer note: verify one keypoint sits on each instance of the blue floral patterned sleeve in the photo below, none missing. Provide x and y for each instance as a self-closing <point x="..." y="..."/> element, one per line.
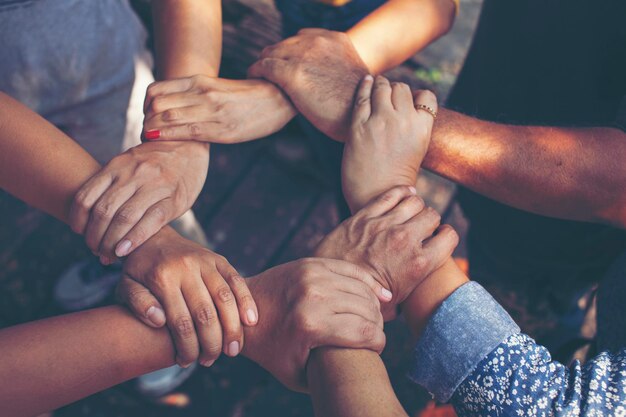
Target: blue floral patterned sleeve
<point x="472" y="354"/>
<point x="519" y="378"/>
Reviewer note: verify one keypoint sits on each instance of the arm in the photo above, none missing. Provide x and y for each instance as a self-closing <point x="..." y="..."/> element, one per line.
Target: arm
<point x="38" y="163"/>
<point x="45" y="168"/>
<point x="351" y="383"/>
<point x="415" y="23"/>
<point x="471" y="353"/>
<point x="52" y="362"/>
<point x="571" y="173"/>
<point x="188" y="37"/>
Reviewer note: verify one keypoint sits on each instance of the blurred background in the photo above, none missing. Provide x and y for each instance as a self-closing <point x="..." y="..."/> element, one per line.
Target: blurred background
<point x="263" y="203"/>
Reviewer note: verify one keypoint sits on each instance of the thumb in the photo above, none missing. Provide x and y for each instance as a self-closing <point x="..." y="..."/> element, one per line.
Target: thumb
<point x="141" y="302"/>
<point x="272" y="69"/>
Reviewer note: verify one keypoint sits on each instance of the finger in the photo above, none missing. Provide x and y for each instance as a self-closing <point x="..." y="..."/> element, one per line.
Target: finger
<point x="206" y="321"/>
<point x="352" y="331"/>
<point x="248" y="311"/>
<point x="401" y="97"/>
<point x="423" y="225"/>
<point x="350" y="303"/>
<point x="350" y="270"/>
<point x="163" y="103"/>
<point x="313" y="32"/>
<point x="281" y="49"/>
<point x="381" y="95"/>
<point x="404" y="211"/>
<point x="85" y="198"/>
<point x="441" y="246"/>
<point x="272" y="69"/>
<point x="198" y="131"/>
<point x="159" y="88"/>
<point x="176" y="117"/>
<point x="226" y="305"/>
<point x="362" y="102"/>
<point x="103" y="212"/>
<point x="356" y="288"/>
<point x="127" y="216"/>
<point x="387" y="201"/>
<point x="425" y="98"/>
<point x="152" y="220"/>
<point x="181" y="327"/>
<point x="141" y="302"/>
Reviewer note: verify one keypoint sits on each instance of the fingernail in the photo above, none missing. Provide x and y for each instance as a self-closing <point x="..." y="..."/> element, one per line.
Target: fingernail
<point x="413" y="190"/>
<point x="252" y="318"/>
<point x="183" y="365"/>
<point x="152" y="134"/>
<point x="105" y="261"/>
<point x="369" y="77"/>
<point x="233" y="348"/>
<point x="156" y="316"/>
<point x="123" y="248"/>
<point x="386" y="294"/>
<point x="207" y="363"/>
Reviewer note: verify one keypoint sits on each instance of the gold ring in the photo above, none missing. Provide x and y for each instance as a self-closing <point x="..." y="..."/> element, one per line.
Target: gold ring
<point x="426" y="108"/>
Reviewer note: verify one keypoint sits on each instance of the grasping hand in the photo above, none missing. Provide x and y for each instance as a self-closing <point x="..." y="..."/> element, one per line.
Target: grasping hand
<point x="388" y="139"/>
<point x="319" y="70"/>
<point x="216" y="110"/>
<point x="310" y="303"/>
<point x="392" y="238"/>
<point x="204" y="298"/>
<point x="136" y="194"/>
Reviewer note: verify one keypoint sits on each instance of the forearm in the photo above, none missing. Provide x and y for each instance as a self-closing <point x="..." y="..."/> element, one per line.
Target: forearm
<point x="52" y="362"/>
<point x="188" y="37"/>
<point x="571" y="173"/>
<point x="38" y="163"/>
<point x="415" y="23"/>
<point x="350" y="382"/>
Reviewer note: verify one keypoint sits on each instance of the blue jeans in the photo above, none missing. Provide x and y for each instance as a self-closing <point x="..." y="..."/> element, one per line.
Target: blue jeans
<point x="300" y="14"/>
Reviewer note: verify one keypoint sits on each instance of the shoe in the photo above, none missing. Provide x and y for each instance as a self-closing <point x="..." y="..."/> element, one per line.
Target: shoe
<point x="85" y="284"/>
<point x="163" y="381"/>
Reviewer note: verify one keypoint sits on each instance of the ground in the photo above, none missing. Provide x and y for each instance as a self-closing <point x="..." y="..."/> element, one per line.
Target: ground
<point x="264" y="203"/>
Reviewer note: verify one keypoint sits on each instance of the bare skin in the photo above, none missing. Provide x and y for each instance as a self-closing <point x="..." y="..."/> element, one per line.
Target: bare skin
<point x="142" y="190"/>
<point x="44" y="168"/>
<point x="205" y="113"/>
<point x="350" y="382"/>
<point x="52" y="362"/>
<point x="570" y="173"/>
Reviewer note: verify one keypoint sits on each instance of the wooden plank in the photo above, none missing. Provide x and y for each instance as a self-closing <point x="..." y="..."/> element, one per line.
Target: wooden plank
<point x="260" y="215"/>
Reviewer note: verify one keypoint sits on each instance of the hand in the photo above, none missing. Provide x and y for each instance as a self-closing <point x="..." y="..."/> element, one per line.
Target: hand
<point x="136" y="194"/>
<point x="310" y="303"/>
<point x="202" y="293"/>
<point x="392" y="238"/>
<point x="217" y="110"/>
<point x="388" y="139"/>
<point x="319" y="70"/>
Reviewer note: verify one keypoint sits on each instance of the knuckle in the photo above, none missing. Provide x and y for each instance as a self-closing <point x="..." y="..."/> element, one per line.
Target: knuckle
<point x="171" y="115"/>
<point x="434" y="215"/>
<point x="225" y="295"/>
<point x="160" y="214"/>
<point x="183" y="326"/>
<point x="204" y="315"/>
<point x="158" y="104"/>
<point x="126" y="215"/>
<point x="103" y="210"/>
<point x="367" y="331"/>
<point x="195" y="130"/>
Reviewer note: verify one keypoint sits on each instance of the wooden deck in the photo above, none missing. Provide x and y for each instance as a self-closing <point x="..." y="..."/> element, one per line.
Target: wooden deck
<point x="263" y="204"/>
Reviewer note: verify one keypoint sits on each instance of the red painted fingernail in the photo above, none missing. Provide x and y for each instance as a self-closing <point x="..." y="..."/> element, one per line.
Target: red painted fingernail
<point x="152" y="134"/>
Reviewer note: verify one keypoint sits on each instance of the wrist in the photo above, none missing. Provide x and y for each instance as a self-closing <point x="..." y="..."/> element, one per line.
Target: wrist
<point x="424" y="301"/>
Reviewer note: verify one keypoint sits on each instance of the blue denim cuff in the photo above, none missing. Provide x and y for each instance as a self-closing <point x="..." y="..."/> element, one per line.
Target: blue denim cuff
<point x="467" y="326"/>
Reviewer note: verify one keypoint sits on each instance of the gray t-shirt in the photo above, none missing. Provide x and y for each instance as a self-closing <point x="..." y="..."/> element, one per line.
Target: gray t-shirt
<point x="57" y="54"/>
